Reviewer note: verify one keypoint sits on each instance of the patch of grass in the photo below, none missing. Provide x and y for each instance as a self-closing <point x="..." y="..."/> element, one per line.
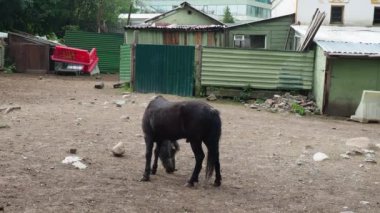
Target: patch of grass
<point x="298" y="109"/>
<point x="10" y="69"/>
<point x="127" y="87"/>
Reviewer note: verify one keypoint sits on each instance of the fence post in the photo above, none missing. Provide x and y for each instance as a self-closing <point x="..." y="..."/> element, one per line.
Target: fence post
<point x="198" y="70"/>
<point x="133" y="58"/>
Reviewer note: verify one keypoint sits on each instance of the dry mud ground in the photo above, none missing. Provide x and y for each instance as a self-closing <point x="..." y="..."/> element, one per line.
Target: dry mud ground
<point x="259" y="155"/>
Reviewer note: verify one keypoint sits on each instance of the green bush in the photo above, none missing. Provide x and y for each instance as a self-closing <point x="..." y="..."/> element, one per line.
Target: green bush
<point x="298" y="109"/>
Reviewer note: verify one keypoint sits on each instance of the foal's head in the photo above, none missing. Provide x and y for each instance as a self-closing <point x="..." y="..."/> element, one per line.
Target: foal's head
<point x="167" y="154"/>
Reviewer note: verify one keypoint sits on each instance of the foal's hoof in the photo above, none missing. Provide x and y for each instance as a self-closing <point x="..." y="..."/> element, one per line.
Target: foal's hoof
<point x="189" y="185"/>
<point x="144" y="179"/>
<point x="154" y="172"/>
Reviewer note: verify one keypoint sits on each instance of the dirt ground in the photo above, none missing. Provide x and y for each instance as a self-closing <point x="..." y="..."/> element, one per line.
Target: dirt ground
<point x="266" y="158"/>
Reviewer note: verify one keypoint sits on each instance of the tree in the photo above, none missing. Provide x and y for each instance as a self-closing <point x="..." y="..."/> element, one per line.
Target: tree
<point x="47" y="16"/>
<point x="227" y="18"/>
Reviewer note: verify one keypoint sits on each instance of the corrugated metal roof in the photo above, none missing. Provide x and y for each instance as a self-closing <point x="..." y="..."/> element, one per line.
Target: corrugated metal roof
<point x="175" y="27"/>
<point x="343" y="33"/>
<point x="349" y="48"/>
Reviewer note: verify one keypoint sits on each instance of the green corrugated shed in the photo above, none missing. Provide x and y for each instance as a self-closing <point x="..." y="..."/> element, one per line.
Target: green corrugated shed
<point x="106" y="44"/>
<point x="125" y="63"/>
<point x="259" y="69"/>
<point x="2" y="53"/>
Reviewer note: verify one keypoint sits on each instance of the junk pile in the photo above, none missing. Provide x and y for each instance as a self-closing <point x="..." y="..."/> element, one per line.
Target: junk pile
<point x="287" y="103"/>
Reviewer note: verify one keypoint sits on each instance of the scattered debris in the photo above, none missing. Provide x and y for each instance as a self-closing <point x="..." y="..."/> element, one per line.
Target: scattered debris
<point x="319" y="156"/>
<point x="287" y="103"/>
<point x="119" y="85"/>
<point x="124" y="118"/>
<point x="370" y="158"/>
<point x="364" y="202"/>
<point x="354" y="152"/>
<point x="345" y="156"/>
<point x="212" y="97"/>
<point x="75" y="161"/>
<point x="118" y="150"/>
<point x="119" y="103"/>
<point x="4" y="126"/>
<point x="11" y="108"/>
<point x="99" y="85"/>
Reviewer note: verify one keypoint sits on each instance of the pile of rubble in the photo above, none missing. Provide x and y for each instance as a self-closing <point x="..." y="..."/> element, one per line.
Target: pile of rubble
<point x="287" y="103"/>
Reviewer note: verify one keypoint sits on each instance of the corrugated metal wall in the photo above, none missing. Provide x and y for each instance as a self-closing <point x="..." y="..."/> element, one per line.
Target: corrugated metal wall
<point x="165" y="69"/>
<point x="125" y="63"/>
<point x="106" y="44"/>
<point x="257" y="68"/>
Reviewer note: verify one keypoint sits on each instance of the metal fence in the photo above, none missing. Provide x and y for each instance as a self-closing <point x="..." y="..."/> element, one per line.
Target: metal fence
<point x="259" y="69"/>
<point x="106" y="44"/>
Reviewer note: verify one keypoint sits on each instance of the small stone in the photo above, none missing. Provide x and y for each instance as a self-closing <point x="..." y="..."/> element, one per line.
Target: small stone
<point x="139" y="135"/>
<point x="40" y="77"/>
<point x="126" y="96"/>
<point x="277" y="96"/>
<point x="118" y="150"/>
<point x="4" y="126"/>
<point x="345" y="156"/>
<point x="211" y="97"/>
<point x="99" y="85"/>
<point x="364" y="202"/>
<point x="119" y="103"/>
<point x="2" y="208"/>
<point x="253" y="106"/>
<point x="124" y="118"/>
<point x="370" y="158"/>
<point x="361" y="165"/>
<point x="52" y="167"/>
<point x="72" y="99"/>
<point x="319" y="156"/>
<point x="73" y="151"/>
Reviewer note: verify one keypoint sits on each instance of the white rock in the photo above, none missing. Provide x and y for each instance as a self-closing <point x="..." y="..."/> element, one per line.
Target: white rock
<point x="319" y="156"/>
<point x="75" y="161"/>
<point x="79" y="165"/>
<point x="119" y="149"/>
<point x="364" y="202"/>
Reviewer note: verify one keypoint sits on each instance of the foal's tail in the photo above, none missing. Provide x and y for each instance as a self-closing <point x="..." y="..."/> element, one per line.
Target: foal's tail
<point x="213" y="142"/>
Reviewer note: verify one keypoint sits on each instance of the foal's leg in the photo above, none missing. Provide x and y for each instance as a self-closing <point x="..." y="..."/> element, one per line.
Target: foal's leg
<point x="218" y="176"/>
<point x="148" y="157"/>
<point x="155" y="161"/>
<point x="196" y="146"/>
<point x="213" y="153"/>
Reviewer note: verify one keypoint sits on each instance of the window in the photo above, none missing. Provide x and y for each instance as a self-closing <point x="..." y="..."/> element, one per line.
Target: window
<point x="376" y="16"/>
<point x="336" y="15"/>
<point x="250" y="41"/>
<point x="257" y="41"/>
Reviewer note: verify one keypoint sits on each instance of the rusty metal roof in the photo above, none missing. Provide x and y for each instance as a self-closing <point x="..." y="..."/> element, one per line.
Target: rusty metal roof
<point x="175" y="27"/>
<point x="337" y="48"/>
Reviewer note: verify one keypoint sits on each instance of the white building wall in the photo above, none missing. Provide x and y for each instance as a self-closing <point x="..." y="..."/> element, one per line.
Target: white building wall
<point x="283" y="7"/>
<point x="356" y="12"/>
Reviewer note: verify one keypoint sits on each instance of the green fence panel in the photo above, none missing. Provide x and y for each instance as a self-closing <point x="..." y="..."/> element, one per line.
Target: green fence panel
<point x="259" y="69"/>
<point x="125" y="63"/>
<point x="106" y="44"/>
<point x="165" y="69"/>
